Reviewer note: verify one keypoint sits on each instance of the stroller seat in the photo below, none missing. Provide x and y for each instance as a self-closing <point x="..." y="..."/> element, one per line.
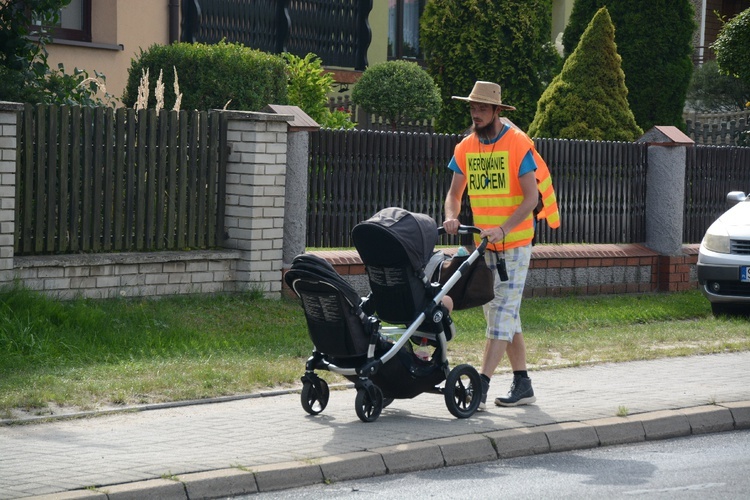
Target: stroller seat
<point x="335" y="320"/>
<point x="396" y="246"/>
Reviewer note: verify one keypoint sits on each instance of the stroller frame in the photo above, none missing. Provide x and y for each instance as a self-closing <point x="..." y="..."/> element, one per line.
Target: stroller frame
<point x="386" y="369"/>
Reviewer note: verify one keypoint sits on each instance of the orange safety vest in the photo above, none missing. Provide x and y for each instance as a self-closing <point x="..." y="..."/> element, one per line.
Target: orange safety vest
<point x="491" y="172"/>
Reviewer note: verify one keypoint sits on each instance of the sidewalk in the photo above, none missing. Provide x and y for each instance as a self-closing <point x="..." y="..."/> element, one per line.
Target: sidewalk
<point x="265" y="443"/>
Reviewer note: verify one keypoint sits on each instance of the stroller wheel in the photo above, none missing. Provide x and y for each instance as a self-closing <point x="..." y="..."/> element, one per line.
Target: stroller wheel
<point x="463" y="391"/>
<point x="369" y="403"/>
<point x="314" y="396"/>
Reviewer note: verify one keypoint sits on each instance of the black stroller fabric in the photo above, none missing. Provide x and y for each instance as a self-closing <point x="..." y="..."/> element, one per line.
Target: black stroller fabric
<point x="332" y="307"/>
<point x="395" y="245"/>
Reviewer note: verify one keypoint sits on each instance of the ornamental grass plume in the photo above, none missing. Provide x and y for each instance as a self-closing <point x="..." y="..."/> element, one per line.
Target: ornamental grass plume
<point x="142" y="101"/>
<point x="177" y="93"/>
<point x="159" y="93"/>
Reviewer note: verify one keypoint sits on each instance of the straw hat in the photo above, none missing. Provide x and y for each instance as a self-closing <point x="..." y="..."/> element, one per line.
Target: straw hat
<point x="486" y="92"/>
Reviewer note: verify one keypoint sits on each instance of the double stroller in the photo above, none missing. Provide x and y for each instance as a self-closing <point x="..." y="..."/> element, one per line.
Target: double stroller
<point x="370" y="340"/>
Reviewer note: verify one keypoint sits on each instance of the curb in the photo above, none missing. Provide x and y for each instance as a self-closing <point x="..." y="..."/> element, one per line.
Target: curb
<point x="431" y="454"/>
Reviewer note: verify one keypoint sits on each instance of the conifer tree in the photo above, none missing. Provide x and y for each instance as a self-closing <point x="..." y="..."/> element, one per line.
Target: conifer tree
<point x="654" y="38"/>
<point x="588" y="99"/>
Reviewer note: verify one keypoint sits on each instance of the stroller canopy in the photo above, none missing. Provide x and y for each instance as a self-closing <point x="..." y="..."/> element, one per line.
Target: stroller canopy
<point x="416" y="233"/>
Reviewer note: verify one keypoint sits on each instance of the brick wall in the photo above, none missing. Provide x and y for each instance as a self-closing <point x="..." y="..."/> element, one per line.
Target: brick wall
<point x="103" y="276"/>
<point x="574" y="270"/>
<point x="8" y="147"/>
<point x="256" y="178"/>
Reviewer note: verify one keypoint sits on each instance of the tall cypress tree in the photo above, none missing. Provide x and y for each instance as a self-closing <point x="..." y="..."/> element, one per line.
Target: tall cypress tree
<point x="654" y="38"/>
<point x="588" y="99"/>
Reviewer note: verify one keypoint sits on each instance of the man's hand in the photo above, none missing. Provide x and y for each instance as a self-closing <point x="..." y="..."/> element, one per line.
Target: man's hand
<point x="493" y="235"/>
<point x="451" y="226"/>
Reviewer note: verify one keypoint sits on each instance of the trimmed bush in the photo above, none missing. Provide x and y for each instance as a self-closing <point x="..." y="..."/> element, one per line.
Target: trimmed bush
<point x="654" y="39"/>
<point x="732" y="47"/>
<point x="211" y="76"/>
<point x="588" y="99"/>
<point x="400" y="91"/>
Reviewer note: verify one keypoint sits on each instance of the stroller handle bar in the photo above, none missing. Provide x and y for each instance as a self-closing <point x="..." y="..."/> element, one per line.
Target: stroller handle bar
<point x="468" y="230"/>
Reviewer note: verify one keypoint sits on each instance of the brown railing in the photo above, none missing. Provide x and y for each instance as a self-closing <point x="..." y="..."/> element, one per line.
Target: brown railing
<point x="601" y="191"/>
<point x="98" y="180"/>
<point x="334" y="30"/>
<point x="353" y="174"/>
<point x="711" y="173"/>
<point x="600" y="186"/>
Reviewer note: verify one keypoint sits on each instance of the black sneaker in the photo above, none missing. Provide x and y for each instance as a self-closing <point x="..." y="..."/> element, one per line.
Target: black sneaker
<point x="483" y="399"/>
<point x="520" y="393"/>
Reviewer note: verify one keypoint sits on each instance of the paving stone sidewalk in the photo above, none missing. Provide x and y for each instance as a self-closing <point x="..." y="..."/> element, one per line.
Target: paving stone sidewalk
<point x="268" y="442"/>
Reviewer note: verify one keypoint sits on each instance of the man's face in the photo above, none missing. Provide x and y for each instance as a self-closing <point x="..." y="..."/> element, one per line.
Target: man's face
<point x="482" y="115"/>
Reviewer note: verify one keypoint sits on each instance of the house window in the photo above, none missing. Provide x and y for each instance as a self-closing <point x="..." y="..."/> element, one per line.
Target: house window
<point x="403" y="29"/>
<point x="74" y="22"/>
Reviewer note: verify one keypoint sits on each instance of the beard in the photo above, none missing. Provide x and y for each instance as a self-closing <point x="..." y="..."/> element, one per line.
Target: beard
<point x="486" y="131"/>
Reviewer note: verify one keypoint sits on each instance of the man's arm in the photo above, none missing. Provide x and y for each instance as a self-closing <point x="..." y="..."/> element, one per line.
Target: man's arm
<point x="453" y="203"/>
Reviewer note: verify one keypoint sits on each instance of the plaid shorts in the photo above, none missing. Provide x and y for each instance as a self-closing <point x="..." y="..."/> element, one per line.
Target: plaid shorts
<point x="502" y="312"/>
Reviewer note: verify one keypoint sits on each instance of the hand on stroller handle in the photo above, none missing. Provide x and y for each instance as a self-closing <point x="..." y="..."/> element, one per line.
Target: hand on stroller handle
<point x="468" y="230"/>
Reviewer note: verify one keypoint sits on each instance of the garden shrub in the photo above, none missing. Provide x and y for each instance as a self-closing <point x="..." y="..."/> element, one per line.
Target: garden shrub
<point x="25" y="75"/>
<point x="400" y="91"/>
<point x="309" y="86"/>
<point x="216" y="76"/>
<point x="588" y="99"/>
<point x="711" y="91"/>
<point x="732" y="47"/>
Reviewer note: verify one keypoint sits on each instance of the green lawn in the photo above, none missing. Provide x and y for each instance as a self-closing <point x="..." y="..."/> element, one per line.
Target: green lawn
<point x="88" y="354"/>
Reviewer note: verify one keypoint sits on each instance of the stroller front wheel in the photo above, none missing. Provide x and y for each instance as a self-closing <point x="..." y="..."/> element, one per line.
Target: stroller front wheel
<point x="314" y="396"/>
<point x="463" y="391"/>
<point x="369" y="403"/>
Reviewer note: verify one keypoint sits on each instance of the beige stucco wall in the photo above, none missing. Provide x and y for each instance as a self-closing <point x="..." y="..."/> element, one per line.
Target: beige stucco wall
<point x="378" y="19"/>
<point x="131" y="24"/>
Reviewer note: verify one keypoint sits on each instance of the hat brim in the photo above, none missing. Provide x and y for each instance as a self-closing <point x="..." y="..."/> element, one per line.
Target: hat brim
<point x="501" y="106"/>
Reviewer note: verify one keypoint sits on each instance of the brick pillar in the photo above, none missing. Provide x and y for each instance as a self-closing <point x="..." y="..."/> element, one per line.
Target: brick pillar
<point x="8" y="152"/>
<point x="256" y="178"/>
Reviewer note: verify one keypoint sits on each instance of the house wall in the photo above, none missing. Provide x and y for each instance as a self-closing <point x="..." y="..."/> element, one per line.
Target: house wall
<point x="561" y="10"/>
<point x="378" y="50"/>
<point x="119" y="29"/>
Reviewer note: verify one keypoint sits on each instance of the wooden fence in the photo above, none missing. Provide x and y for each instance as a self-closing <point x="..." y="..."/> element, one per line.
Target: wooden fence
<point x="711" y="173"/>
<point x="98" y="180"/>
<point x="600" y="186"/>
<point x="719" y="128"/>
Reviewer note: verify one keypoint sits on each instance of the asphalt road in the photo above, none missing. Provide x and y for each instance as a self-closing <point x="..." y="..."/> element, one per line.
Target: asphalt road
<point x="713" y="466"/>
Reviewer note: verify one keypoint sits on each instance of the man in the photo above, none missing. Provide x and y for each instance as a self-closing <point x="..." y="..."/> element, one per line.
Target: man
<point x="504" y="176"/>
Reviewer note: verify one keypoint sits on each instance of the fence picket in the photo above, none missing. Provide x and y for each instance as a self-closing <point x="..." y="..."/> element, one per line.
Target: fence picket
<point x="109" y="180"/>
<point x="119" y="174"/>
